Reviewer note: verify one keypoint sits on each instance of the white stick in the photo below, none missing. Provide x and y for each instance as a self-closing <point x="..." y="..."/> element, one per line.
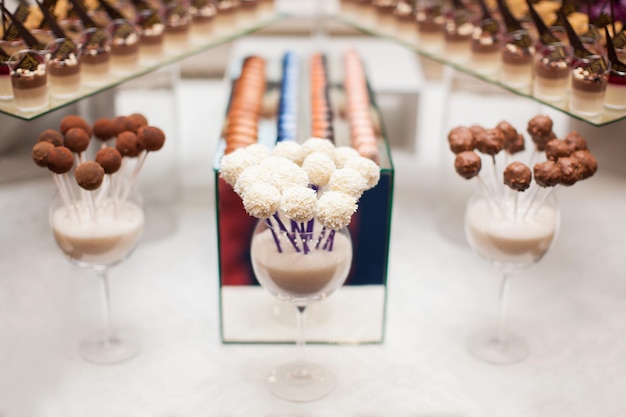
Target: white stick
<point x="135" y="174"/>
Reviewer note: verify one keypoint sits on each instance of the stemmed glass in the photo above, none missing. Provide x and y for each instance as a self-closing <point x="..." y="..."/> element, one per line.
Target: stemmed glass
<point x="511" y="234"/>
<point x="98" y="233"/>
<point x="302" y="264"/>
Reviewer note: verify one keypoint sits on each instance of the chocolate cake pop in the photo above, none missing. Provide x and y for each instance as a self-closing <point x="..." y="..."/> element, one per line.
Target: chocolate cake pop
<point x="127" y="144"/>
<point x="571" y="170"/>
<point x="138" y="120"/>
<point x="76" y="139"/>
<point x="556" y="149"/>
<point x="50" y="135"/>
<point x="517" y="176"/>
<point x="575" y="141"/>
<point x="60" y="160"/>
<point x="89" y="175"/>
<point x="110" y="159"/>
<point x="540" y="130"/>
<point x="40" y="153"/>
<point x="588" y="163"/>
<point x="476" y="130"/>
<point x="516" y="145"/>
<point x="507" y="129"/>
<point x="547" y="173"/>
<point x="461" y="139"/>
<point x="490" y="142"/>
<point x="467" y="164"/>
<point x="124" y="124"/>
<point x="104" y="128"/>
<point x="73" y="120"/>
<point x="151" y="138"/>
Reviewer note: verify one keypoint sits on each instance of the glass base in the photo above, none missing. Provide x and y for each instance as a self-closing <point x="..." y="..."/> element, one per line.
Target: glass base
<point x="301" y="383"/>
<point x="102" y="351"/>
<point x="506" y="349"/>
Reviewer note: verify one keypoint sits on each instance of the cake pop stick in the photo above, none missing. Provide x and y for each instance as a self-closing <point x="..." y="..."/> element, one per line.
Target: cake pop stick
<point x="491" y="142"/>
<point x="60" y="161"/>
<point x="110" y="160"/>
<point x="151" y="139"/>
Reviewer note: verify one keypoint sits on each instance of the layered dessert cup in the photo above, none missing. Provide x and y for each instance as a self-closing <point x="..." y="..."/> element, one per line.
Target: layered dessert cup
<point x="124" y="47"/>
<point x="29" y="80"/>
<point x="552" y="72"/>
<point x="590" y="77"/>
<point x="225" y="22"/>
<point x="95" y="57"/>
<point x="6" y="90"/>
<point x="177" y="29"/>
<point x="202" y="14"/>
<point x="458" y="32"/>
<point x="385" y="19"/>
<point x="430" y="27"/>
<point x="152" y="43"/>
<point x="64" y="68"/>
<point x="615" y="97"/>
<point x="485" y="50"/>
<point x="406" y="23"/>
<point x="516" y="54"/>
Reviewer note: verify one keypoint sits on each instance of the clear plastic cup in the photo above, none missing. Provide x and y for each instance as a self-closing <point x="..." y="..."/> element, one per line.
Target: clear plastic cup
<point x="29" y="80"/>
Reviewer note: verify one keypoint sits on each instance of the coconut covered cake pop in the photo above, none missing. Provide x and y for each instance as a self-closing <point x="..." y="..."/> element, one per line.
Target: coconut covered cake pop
<point x="274" y="187"/>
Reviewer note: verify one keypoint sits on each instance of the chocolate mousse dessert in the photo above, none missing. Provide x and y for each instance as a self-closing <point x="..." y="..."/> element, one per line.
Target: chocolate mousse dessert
<point x="517" y="52"/>
<point x="29" y="79"/>
<point x="406" y="23"/>
<point x="486" y="39"/>
<point x="64" y="68"/>
<point x="615" y="97"/>
<point x="124" y="47"/>
<point x="458" y="31"/>
<point x="177" y="28"/>
<point x="151" y="36"/>
<point x="430" y="22"/>
<point x="202" y="13"/>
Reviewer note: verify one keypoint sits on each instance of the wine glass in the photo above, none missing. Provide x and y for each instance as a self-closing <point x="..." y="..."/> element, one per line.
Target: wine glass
<point x="98" y="233"/>
<point x="511" y="234"/>
<point x="301" y="263"/>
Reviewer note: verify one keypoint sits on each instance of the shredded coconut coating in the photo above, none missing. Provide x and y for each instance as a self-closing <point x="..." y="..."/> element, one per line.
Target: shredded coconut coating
<point x="319" y="166"/>
<point x="290" y="150"/>
<point x="299" y="203"/>
<point x="233" y="164"/>
<point x="282" y="173"/>
<point x="348" y="181"/>
<point x="367" y="168"/>
<point x="318" y="145"/>
<point x="258" y="151"/>
<point x="249" y="176"/>
<point x="261" y="200"/>
<point x="335" y="209"/>
<point x="343" y="154"/>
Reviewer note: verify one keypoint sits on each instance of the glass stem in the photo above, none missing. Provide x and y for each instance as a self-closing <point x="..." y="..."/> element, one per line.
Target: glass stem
<point x="107" y="334"/>
<point x="301" y="372"/>
<point x="502" y="299"/>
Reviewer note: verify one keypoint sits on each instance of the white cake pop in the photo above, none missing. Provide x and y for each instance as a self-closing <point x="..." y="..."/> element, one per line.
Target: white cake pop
<point x="261" y="200"/>
<point x="366" y="167"/>
<point x="349" y="181"/>
<point x="233" y="164"/>
<point x="284" y="174"/>
<point x="319" y="166"/>
<point x="335" y="209"/>
<point x="290" y="150"/>
<point x="249" y="176"/>
<point x="343" y="153"/>
<point x="299" y="203"/>
<point x="318" y="145"/>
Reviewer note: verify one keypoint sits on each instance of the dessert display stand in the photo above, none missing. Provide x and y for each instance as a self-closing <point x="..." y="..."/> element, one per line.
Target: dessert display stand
<point x="571" y="305"/>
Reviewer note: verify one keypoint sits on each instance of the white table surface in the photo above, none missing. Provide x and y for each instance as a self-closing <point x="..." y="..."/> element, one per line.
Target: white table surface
<point x="571" y="306"/>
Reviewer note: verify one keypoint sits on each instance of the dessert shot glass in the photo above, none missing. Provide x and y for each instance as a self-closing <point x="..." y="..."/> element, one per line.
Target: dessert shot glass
<point x="151" y="49"/>
<point x="590" y="77"/>
<point x="552" y="72"/>
<point x="95" y="57"/>
<point x="486" y="44"/>
<point x="615" y="97"/>
<point x="430" y="23"/>
<point x="124" y="47"/>
<point x="458" y="30"/>
<point x="63" y="56"/>
<point x="177" y="25"/>
<point x="6" y="90"/>
<point x="29" y="80"/>
<point x="516" y="55"/>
